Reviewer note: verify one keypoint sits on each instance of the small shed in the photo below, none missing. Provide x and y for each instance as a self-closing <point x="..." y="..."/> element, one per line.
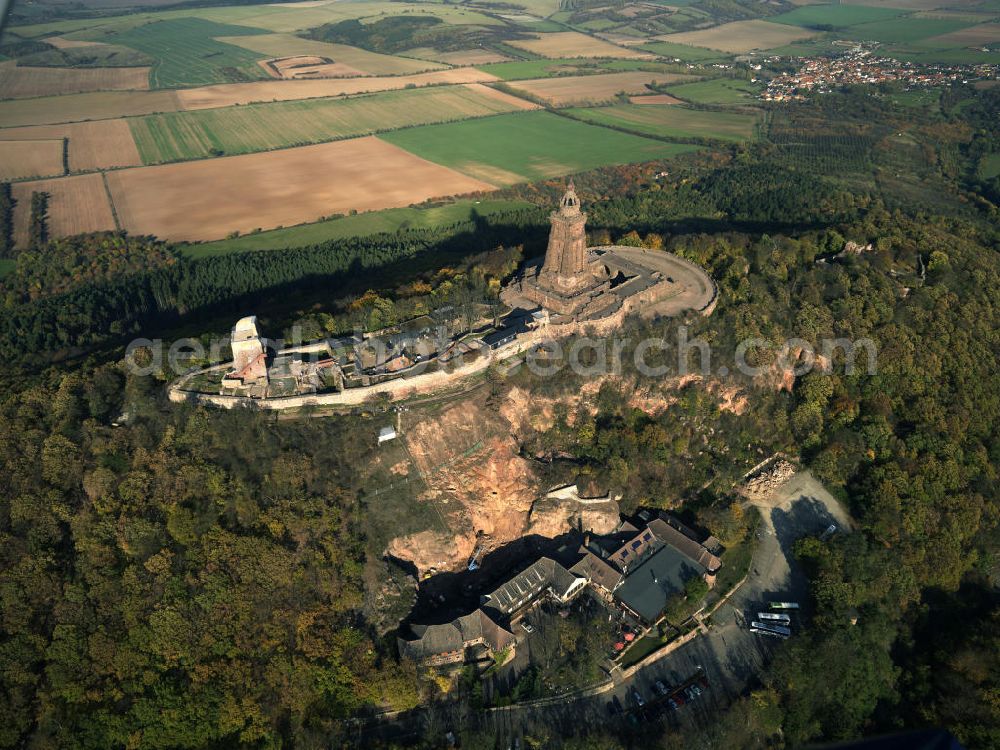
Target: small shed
<point x="386" y="434"/>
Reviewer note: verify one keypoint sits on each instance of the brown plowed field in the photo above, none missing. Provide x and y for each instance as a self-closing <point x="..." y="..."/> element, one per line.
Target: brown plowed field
<point x="101" y="144"/>
<point x="77" y="107"/>
<point x="228" y="94"/>
<point x="502" y="96"/>
<point x="30" y="158"/>
<point x="18" y="82"/>
<point x="202" y="200"/>
<point x="574" y="44"/>
<point x="76" y="205"/>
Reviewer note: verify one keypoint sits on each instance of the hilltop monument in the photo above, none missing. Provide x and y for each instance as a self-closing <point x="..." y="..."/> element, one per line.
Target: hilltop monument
<point x="577" y="283"/>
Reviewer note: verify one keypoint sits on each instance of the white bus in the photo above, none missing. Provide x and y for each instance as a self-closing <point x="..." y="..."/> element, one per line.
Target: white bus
<point x="771" y="627"/>
<point x="774" y="617"/>
<point x="764" y="631"/>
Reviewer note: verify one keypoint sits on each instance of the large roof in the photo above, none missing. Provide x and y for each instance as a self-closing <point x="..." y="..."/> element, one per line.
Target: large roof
<point x="526" y="585"/>
<point x="647" y="588"/>
<point x="433" y="640"/>
<point x="694" y="551"/>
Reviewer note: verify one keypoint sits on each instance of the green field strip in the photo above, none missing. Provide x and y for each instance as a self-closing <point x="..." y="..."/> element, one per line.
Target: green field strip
<point x="200" y="134"/>
<point x="717" y="91"/>
<point x="836" y="16"/>
<point x="527" y="146"/>
<point x="361" y="225"/>
<point x="906" y="30"/>
<point x="672" y="121"/>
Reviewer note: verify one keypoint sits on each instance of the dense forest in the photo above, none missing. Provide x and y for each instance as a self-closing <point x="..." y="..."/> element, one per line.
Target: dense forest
<point x="181" y="577"/>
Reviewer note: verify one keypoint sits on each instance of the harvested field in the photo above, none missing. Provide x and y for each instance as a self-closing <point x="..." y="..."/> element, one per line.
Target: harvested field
<point x="30" y="158"/>
<point x="76" y="205"/>
<point x="261" y="127"/>
<point x="370" y="63"/>
<point x="595" y="89"/>
<point x="17" y="82"/>
<point x="77" y="107"/>
<point x="575" y="44"/>
<point x="101" y="144"/>
<point x="654" y="99"/>
<point x="525" y="146"/>
<point x="515" y="102"/>
<point x="742" y="36"/>
<point x="205" y="200"/>
<point x="460" y="57"/>
<point x="974" y="36"/>
<point x="226" y="95"/>
<point x="307" y="66"/>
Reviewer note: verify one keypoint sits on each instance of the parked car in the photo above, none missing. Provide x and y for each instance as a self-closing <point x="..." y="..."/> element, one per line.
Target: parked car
<point x="661" y="688"/>
<point x="527" y="626"/>
<point x="637" y="696"/>
<point x="674" y="705"/>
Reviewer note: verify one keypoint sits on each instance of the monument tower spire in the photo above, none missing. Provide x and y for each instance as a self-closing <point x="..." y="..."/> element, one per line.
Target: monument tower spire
<point x="565" y="268"/>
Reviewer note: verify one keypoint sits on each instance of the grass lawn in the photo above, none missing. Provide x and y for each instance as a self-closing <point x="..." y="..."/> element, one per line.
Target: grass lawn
<point x="643" y="648"/>
<point x="258" y="127"/>
<point x="917" y="98"/>
<point x="989" y="166"/>
<point x="718" y="91"/>
<point x="375" y="222"/>
<point x="835" y="16"/>
<point x="906" y="29"/>
<point x="186" y="52"/>
<point x="683" y="52"/>
<point x="526" y="146"/>
<point x="673" y="121"/>
<point x="956" y="56"/>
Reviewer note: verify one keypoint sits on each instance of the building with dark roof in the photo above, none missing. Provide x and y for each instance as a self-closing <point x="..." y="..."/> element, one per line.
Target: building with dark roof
<point x="648" y="587"/>
<point x="447" y="643"/>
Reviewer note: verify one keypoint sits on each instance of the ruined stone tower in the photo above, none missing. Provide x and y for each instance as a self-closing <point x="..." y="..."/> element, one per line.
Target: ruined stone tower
<point x="565" y="268"/>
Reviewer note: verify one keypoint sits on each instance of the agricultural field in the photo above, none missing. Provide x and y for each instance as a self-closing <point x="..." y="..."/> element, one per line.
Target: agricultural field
<point x="523" y="69"/>
<point x="208" y="199"/>
<point x="77" y="107"/>
<point x="261" y="127"/>
<point x="373" y="222"/>
<point x="370" y="63"/>
<point x="741" y="36"/>
<point x="187" y="53"/>
<point x="717" y="91"/>
<point x="836" y="16"/>
<point x="683" y="52"/>
<point x="458" y="57"/>
<point x="227" y="95"/>
<point x="674" y="121"/>
<point x="654" y="99"/>
<point x="101" y="144"/>
<point x="904" y="30"/>
<point x="17" y="82"/>
<point x="77" y="205"/>
<point x="30" y="158"/>
<point x="594" y="89"/>
<point x="984" y="33"/>
<point x="526" y="146"/>
<point x="574" y="44"/>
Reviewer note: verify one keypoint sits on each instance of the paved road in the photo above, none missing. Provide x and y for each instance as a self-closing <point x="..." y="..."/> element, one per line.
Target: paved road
<point x="728" y="655"/>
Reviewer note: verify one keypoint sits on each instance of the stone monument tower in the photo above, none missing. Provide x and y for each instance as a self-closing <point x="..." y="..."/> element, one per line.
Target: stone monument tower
<point x="565" y="268"/>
